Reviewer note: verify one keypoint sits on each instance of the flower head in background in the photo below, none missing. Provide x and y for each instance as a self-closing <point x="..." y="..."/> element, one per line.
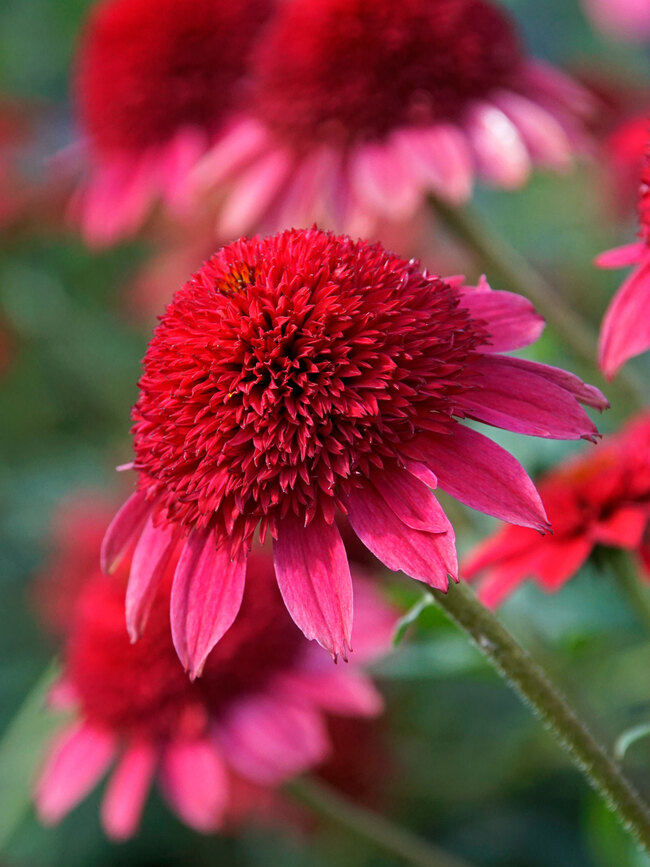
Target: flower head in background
<point x="625" y="330"/>
<point x="259" y="714"/>
<point x="155" y="81"/>
<point x="625" y="148"/>
<point x="623" y="19"/>
<point x="601" y="498"/>
<point x="306" y="374"/>
<point x="359" y="109"/>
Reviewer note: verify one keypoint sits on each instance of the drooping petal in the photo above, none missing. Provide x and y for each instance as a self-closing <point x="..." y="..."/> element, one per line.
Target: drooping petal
<point x="428" y="557"/>
<point x="412" y="501"/>
<point x="206" y="596"/>
<point x="194" y="780"/>
<point x="254" y="192"/>
<point x="442" y="158"/>
<point x="512" y="320"/>
<point x="501" y="155"/>
<point x="123" y="529"/>
<point x="624" y="528"/>
<point x="586" y="394"/>
<point x="543" y="135"/>
<point x="313" y="575"/>
<point x="338" y="692"/>
<point x="150" y="559"/>
<point x="271" y="740"/>
<point x="621" y="257"/>
<point x="127" y="790"/>
<point x="381" y="179"/>
<point x="519" y="399"/>
<point x="79" y="757"/>
<point x="479" y="473"/>
<point x="625" y="331"/>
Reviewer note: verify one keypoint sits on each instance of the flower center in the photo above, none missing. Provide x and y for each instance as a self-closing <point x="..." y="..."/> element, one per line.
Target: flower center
<point x="277" y="384"/>
<point x="349" y="69"/>
<point x="148" y="68"/>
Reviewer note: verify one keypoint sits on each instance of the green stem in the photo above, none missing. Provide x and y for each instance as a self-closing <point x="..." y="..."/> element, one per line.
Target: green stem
<point x="498" y="257"/>
<point x="365" y="823"/>
<point x="533" y="685"/>
<point x="626" y="574"/>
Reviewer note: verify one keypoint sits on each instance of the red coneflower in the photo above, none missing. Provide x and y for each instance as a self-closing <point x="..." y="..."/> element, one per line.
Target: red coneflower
<point x="597" y="499"/>
<point x="155" y="81"/>
<point x="358" y="109"/>
<point x="625" y="330"/>
<point x="305" y="374"/>
<point x="259" y="713"/>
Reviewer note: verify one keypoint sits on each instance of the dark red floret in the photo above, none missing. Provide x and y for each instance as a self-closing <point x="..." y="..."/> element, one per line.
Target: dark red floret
<point x="348" y="69"/>
<point x="285" y="370"/>
<point x="150" y="67"/>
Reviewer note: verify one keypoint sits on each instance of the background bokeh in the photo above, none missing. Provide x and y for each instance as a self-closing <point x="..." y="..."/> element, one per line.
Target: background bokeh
<point x="469" y="767"/>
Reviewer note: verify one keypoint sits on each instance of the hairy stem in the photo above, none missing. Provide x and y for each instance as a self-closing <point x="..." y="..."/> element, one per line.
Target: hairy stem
<point x="529" y="680"/>
<point x="365" y="823"/>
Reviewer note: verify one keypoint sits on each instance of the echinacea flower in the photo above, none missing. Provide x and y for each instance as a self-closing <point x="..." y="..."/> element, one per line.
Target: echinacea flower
<point x="155" y="80"/>
<point x="602" y="498"/>
<point x="358" y="110"/>
<point x="259" y="714"/>
<point x="623" y="19"/>
<point x="307" y="374"/>
<point x="625" y="330"/>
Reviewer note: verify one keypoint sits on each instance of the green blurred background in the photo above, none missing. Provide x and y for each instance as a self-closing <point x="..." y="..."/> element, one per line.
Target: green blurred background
<point x="470" y="768"/>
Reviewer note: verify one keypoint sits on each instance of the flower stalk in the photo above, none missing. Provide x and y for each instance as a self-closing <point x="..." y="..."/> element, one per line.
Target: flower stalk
<point x="398" y="841"/>
<point x="532" y="684"/>
<point x="499" y="258"/>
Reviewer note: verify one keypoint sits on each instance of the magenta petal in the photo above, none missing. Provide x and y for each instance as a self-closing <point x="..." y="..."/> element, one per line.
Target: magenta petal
<point x="313" y="575"/>
<point x="123" y="529"/>
<point x="344" y="693"/>
<point x="586" y="394"/>
<point x="621" y="257"/>
<point x="428" y="557"/>
<point x="479" y="473"/>
<point x="270" y="740"/>
<point x="195" y="782"/>
<point x="412" y="502"/>
<point x="206" y="596"/>
<point x="625" y="331"/>
<point x="150" y="559"/>
<point x="520" y="399"/>
<point x="512" y="320"/>
<point x="78" y="759"/>
<point x="127" y="791"/>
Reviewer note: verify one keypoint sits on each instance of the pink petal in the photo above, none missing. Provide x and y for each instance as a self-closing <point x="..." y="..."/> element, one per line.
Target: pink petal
<point x="206" y="597"/>
<point x="500" y="153"/>
<point x="254" y="193"/>
<point x="621" y="257"/>
<point x="428" y="557"/>
<point x="123" y="529"/>
<point x="559" y="560"/>
<point x="421" y="471"/>
<point x="522" y="400"/>
<point x="512" y="320"/>
<point x="625" y="331"/>
<point x="127" y="791"/>
<point x="479" y="473"/>
<point x="542" y="134"/>
<point x="441" y="157"/>
<point x="381" y="179"/>
<point x="78" y="758"/>
<point x="178" y="160"/>
<point x="195" y="782"/>
<point x="313" y="574"/>
<point x="150" y="559"/>
<point x="235" y="148"/>
<point x="412" y="502"/>
<point x="339" y="692"/>
<point x="589" y="395"/>
<point x="270" y="740"/>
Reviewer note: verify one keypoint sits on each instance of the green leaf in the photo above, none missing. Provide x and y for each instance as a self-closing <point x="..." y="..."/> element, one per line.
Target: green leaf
<point x="21" y="749"/>
<point x="631" y="736"/>
<point x="411" y="617"/>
